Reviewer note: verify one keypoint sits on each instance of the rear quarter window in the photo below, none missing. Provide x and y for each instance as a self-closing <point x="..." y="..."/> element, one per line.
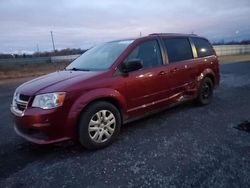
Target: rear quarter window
<point x="203" y="47"/>
<point x="178" y="49"/>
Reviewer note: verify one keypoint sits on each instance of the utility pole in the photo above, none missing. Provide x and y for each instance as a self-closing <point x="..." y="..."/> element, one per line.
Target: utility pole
<point x="52" y="39"/>
<point x="37" y="48"/>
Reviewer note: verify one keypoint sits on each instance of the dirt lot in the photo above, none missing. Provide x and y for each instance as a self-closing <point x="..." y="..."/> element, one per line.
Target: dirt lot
<point x="28" y="70"/>
<point x="234" y="58"/>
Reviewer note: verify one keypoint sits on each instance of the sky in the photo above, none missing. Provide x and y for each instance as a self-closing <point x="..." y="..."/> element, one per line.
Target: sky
<point x="25" y="25"/>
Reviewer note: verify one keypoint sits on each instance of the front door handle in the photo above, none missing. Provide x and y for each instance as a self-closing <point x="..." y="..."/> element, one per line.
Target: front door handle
<point x="174" y="70"/>
<point x="162" y="73"/>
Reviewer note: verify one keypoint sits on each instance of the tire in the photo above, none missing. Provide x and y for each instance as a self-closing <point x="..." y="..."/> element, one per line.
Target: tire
<point x="99" y="125"/>
<point x="205" y="92"/>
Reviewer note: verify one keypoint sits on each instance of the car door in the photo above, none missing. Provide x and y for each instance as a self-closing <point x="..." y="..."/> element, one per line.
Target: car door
<point x="181" y="64"/>
<point x="146" y="88"/>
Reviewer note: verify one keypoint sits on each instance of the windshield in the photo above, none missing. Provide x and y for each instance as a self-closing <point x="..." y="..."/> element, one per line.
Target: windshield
<point x="100" y="57"/>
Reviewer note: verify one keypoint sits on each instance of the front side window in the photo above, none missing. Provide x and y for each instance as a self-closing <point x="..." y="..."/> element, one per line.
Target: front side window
<point x="149" y="52"/>
<point x="203" y="47"/>
<point x="178" y="49"/>
<point x="100" y="57"/>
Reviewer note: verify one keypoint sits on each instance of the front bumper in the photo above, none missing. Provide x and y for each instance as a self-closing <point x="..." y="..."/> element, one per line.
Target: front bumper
<point x="37" y="137"/>
<point x="43" y="126"/>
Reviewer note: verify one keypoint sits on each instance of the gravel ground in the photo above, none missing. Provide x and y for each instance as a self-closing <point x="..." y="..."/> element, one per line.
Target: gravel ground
<point x="186" y="146"/>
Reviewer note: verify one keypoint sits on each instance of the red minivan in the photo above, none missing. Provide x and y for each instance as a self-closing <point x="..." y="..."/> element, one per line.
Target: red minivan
<point x="112" y="84"/>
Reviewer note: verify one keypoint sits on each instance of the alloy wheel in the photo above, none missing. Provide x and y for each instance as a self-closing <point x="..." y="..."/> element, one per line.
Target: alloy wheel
<point x="102" y="126"/>
<point x="206" y="91"/>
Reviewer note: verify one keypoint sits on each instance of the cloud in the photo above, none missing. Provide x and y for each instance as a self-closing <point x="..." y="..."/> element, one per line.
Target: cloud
<point x="80" y="23"/>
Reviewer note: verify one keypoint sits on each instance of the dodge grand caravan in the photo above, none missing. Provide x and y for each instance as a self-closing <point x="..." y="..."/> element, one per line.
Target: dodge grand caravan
<point x="112" y="84"/>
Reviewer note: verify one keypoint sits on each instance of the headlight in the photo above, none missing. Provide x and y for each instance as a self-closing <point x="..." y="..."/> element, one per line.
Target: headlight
<point x="49" y="100"/>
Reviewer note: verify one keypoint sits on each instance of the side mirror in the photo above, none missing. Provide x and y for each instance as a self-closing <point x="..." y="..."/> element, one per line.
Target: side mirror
<point x="131" y="65"/>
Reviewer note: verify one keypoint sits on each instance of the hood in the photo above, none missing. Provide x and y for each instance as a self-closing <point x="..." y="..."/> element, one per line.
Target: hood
<point x="57" y="81"/>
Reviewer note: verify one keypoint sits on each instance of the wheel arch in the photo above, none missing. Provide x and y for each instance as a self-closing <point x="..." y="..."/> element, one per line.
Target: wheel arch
<point x="110" y="100"/>
<point x="207" y="73"/>
<point x="85" y="100"/>
<point x="211" y="76"/>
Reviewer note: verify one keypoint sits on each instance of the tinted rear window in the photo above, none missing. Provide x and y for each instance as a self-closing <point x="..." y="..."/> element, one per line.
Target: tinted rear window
<point x="178" y="49"/>
<point x="203" y="47"/>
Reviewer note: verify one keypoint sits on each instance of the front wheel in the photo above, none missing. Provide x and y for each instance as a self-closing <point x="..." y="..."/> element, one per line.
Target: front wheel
<point x="205" y="93"/>
<point x="99" y="125"/>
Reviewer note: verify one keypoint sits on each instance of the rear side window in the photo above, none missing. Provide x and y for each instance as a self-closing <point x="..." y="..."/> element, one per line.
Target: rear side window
<point x="203" y="47"/>
<point x="149" y="52"/>
<point x="178" y="49"/>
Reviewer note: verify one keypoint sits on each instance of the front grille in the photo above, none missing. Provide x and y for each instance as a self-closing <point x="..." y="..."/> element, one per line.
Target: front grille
<point x="24" y="97"/>
<point x="20" y="106"/>
<point x="19" y="103"/>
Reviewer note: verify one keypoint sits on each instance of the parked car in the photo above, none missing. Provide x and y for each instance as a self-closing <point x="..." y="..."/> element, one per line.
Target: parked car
<point x="112" y="84"/>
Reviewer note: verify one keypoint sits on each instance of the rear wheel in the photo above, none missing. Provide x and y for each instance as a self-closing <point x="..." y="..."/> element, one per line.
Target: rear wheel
<point x="205" y="93"/>
<point x="99" y="125"/>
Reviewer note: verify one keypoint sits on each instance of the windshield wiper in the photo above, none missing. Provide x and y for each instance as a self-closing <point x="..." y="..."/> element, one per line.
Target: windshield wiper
<point x="77" y="69"/>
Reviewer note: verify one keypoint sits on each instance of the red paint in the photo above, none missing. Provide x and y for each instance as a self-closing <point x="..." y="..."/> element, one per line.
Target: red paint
<point x="135" y="93"/>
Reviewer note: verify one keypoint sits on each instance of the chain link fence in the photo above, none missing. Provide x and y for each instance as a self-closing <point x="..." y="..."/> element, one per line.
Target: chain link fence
<point x="224" y="50"/>
<point x="38" y="60"/>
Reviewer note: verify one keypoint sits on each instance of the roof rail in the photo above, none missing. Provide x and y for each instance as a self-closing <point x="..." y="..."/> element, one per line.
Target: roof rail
<point x="177" y="34"/>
